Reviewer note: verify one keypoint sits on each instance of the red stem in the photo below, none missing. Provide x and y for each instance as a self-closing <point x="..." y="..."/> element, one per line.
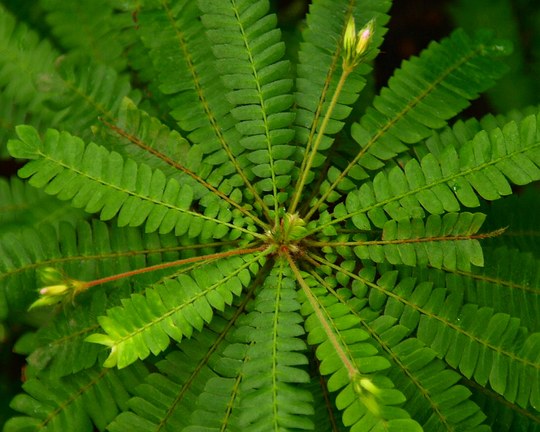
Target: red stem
<point x="172" y="264"/>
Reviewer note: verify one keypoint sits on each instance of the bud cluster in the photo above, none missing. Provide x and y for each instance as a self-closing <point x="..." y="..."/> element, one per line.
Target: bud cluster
<point x="59" y="287"/>
<point x="355" y="45"/>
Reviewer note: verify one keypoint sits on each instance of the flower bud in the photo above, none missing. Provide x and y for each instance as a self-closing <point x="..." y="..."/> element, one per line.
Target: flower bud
<point x="349" y="39"/>
<point x="54" y="290"/>
<point x="59" y="287"/>
<point x="363" y="38"/>
<point x="46" y="301"/>
<point x="355" y="45"/>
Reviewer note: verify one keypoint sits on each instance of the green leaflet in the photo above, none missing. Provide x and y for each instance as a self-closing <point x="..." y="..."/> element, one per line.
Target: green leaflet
<point x="63" y="94"/>
<point x="469" y="66"/>
<point x="433" y="397"/>
<point x="481" y="353"/>
<point x="87" y="94"/>
<point x="452" y="330"/>
<point x="210" y="123"/>
<point x="250" y="352"/>
<point x="29" y="58"/>
<point x="18" y="207"/>
<point x="137" y="135"/>
<point x="439" y="401"/>
<point x="275" y="353"/>
<point x="179" y="380"/>
<point x="87" y="250"/>
<point x="26" y="75"/>
<point x="113" y="187"/>
<point x="514" y="88"/>
<point x="510" y="289"/>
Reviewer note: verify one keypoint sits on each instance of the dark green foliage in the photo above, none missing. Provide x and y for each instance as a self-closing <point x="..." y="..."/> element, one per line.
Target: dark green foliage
<point x="211" y="233"/>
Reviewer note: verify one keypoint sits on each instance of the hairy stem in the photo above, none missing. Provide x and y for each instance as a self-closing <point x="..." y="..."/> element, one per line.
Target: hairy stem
<point x="299" y="188"/>
<point x="490" y="234"/>
<point x="173" y="264"/>
<point x="352" y="370"/>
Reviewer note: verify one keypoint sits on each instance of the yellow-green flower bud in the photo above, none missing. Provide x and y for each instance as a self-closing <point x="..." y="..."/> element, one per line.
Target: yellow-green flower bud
<point x="59" y="287"/>
<point x="46" y="301"/>
<point x="349" y="39"/>
<point x="363" y="38"/>
<point x="54" y="290"/>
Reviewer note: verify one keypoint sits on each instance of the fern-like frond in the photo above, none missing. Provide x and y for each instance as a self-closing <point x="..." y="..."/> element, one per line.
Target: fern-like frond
<point x="144" y="138"/>
<point x="518" y="87"/>
<point x="91" y="30"/>
<point x="504" y="416"/>
<point x="59" y="349"/>
<point x="173" y="308"/>
<point x="518" y="213"/>
<point x="326" y="415"/>
<point x="248" y="47"/>
<point x="508" y="283"/>
<point x="137" y="135"/>
<point x="24" y="77"/>
<point x="170" y="397"/>
<point x="166" y="399"/>
<point x="11" y="115"/>
<point x="19" y="253"/>
<point x="244" y="256"/>
<point x="500" y="352"/>
<point x="26" y="72"/>
<point x="421" y="96"/>
<point x="179" y="49"/>
<point x="447" y="241"/>
<point x="114" y="187"/>
<point x="80" y="402"/>
<point x="484" y="167"/>
<point x="271" y="395"/>
<point x="87" y="93"/>
<point x="434" y="396"/>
